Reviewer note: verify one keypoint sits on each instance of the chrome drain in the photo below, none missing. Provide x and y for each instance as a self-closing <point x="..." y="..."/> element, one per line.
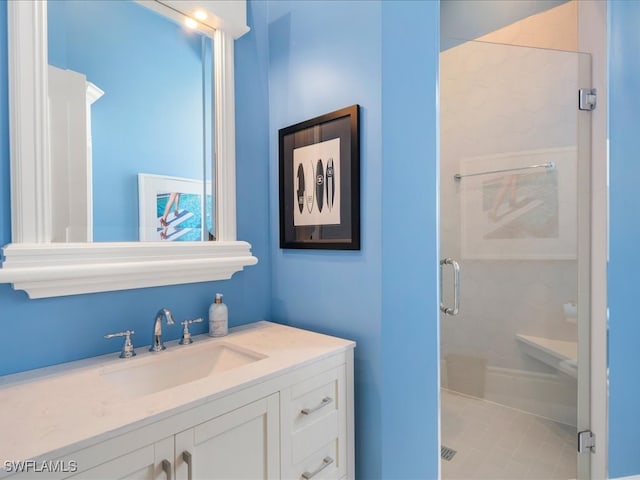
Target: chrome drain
<point x="447" y="453"/>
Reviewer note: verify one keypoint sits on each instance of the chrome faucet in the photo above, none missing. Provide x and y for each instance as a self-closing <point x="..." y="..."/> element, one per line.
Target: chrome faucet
<point x="157" y="345"/>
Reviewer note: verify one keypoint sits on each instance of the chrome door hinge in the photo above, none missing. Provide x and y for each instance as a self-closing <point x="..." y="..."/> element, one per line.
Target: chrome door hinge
<point x="586" y="442"/>
<point x="587" y="98"/>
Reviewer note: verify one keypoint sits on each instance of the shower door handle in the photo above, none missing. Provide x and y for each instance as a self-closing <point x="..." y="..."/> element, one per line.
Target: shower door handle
<point x="456" y="287"/>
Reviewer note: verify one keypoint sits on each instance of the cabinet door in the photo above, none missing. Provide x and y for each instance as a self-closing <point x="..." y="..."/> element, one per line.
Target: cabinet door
<point x="152" y="462"/>
<point x="241" y="444"/>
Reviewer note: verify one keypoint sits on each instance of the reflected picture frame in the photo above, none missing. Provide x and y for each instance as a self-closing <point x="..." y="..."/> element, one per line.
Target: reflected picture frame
<point x="319" y="170"/>
<point x="519" y="205"/>
<point x="185" y="202"/>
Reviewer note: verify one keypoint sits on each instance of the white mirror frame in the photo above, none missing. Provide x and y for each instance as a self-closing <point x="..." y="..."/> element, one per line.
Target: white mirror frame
<point x="44" y="269"/>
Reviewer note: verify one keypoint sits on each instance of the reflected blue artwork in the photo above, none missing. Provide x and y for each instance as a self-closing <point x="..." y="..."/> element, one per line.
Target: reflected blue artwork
<point x="180" y="216"/>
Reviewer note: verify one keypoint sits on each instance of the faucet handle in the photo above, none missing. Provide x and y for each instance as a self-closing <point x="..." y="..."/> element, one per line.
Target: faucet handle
<point x="127" y="347"/>
<point x="186" y="335"/>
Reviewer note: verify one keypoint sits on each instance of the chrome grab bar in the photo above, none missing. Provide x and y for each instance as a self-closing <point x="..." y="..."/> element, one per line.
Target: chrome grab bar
<point x="456" y="287"/>
<point x="549" y="166"/>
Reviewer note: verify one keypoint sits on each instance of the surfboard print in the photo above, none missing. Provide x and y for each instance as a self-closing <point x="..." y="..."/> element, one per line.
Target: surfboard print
<point x="300" y="191"/>
<point x="309" y="192"/>
<point x="319" y="184"/>
<point x="330" y="184"/>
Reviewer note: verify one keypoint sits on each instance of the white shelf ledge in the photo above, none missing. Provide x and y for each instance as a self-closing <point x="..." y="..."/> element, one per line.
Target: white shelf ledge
<point x="52" y="270"/>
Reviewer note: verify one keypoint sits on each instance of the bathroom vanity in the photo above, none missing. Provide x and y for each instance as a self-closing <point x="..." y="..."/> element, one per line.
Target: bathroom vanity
<point x="267" y="401"/>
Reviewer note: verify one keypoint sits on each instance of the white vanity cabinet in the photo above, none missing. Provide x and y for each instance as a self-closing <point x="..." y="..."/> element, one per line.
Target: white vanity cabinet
<point x="147" y="463"/>
<point x="287" y="414"/>
<point x="243" y="443"/>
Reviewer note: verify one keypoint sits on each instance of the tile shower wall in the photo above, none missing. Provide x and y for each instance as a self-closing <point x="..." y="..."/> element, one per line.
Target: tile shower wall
<point x="556" y="28"/>
<point x="464" y="19"/>
<point x="498" y="99"/>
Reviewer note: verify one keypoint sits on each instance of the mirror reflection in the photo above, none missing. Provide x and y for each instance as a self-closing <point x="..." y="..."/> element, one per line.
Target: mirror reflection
<point x="130" y="95"/>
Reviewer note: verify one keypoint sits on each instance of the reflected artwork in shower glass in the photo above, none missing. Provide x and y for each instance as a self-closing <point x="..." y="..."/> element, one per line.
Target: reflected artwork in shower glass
<point x="517" y="214"/>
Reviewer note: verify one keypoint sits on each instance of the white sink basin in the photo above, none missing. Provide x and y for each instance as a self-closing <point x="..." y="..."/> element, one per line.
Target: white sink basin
<point x="176" y="366"/>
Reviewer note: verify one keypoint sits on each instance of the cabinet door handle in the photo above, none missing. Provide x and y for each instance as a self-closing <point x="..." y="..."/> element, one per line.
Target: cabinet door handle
<point x="326" y="461"/>
<point x="166" y="467"/>
<point x="186" y="456"/>
<point x="325" y="401"/>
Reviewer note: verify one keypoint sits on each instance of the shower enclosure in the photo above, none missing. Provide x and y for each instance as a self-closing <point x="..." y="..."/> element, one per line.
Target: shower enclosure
<point x="514" y="217"/>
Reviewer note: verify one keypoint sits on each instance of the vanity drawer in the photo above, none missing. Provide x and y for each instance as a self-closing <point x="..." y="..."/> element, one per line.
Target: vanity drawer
<point x="315" y="416"/>
<point x="306" y="440"/>
<point x="327" y="462"/>
<point x="316" y="398"/>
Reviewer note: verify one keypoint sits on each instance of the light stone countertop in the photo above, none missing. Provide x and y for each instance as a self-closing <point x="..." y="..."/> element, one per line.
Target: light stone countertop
<point x="53" y="411"/>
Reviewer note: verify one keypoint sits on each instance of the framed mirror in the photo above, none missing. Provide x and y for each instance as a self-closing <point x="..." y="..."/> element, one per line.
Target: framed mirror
<point x="35" y="261"/>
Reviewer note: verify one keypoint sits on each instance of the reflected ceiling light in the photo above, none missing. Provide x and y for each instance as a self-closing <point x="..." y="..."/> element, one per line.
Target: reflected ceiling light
<point x="200" y="15"/>
<point x="190" y="23"/>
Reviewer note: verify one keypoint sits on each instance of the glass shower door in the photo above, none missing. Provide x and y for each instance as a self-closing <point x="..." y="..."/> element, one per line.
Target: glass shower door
<point x="514" y="214"/>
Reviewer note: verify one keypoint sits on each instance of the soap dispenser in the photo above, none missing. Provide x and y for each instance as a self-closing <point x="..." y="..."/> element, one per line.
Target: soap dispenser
<point x="218" y="318"/>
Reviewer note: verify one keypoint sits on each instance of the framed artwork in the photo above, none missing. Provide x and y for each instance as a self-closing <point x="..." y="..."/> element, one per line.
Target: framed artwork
<point x="174" y="209"/>
<point x="520" y="205"/>
<point x="319" y="162"/>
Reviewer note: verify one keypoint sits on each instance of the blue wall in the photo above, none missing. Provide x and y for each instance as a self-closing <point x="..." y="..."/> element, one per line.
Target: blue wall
<point x="624" y="274"/>
<point x="150" y="69"/>
<point x="323" y="57"/>
<point x="410" y="316"/>
<point x="50" y="331"/>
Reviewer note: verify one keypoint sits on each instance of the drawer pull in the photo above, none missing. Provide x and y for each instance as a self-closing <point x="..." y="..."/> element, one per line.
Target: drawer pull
<point x="326" y="461"/>
<point x="166" y="466"/>
<point x="186" y="456"/>
<point x="325" y="401"/>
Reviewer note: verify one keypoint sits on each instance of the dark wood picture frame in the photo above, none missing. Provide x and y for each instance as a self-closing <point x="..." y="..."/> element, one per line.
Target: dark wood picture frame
<point x="319" y="162"/>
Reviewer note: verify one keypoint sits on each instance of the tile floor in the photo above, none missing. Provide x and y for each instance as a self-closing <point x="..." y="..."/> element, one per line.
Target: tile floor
<point x="500" y="443"/>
